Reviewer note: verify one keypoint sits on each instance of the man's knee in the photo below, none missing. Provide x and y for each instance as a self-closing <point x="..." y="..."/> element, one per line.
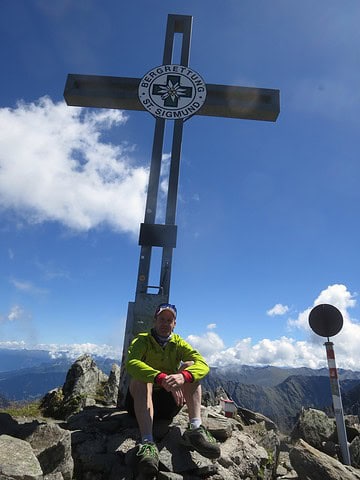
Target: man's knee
<point x="140" y="389"/>
<point x="193" y="388"/>
<point x="139" y="395"/>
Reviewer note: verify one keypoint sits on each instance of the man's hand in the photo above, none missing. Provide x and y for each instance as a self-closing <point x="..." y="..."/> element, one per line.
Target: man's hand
<point x="173" y="381"/>
<point x="178" y="397"/>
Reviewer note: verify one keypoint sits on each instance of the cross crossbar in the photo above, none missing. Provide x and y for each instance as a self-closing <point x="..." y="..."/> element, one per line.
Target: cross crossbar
<point x="221" y="100"/>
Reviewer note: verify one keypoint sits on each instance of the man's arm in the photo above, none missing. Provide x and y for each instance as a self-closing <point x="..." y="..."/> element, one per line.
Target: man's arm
<point x="135" y="366"/>
<point x="198" y="368"/>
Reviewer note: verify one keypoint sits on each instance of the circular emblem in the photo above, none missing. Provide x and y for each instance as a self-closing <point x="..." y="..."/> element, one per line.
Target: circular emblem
<point x="172" y="92"/>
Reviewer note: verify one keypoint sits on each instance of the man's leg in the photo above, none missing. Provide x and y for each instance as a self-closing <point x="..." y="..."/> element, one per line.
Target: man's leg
<point x="148" y="453"/>
<point x="143" y="406"/>
<point x="197" y="437"/>
<point x="192" y="394"/>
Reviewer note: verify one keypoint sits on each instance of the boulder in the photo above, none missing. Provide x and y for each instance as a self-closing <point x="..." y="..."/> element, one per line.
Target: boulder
<point x="354" y="450"/>
<point x="17" y="460"/>
<point x="311" y="464"/>
<point x="52" y="447"/>
<point x="103" y="441"/>
<point x="111" y="388"/>
<point x="84" y="386"/>
<point x="251" y="418"/>
<point x="313" y="426"/>
<point x="83" y="379"/>
<point x="99" y="442"/>
<point x="8" y="426"/>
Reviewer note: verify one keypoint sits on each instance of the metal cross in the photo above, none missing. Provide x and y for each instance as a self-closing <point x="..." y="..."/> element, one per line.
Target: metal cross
<point x="123" y="93"/>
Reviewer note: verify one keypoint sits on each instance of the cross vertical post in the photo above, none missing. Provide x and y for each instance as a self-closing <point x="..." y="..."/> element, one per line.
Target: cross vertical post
<point x="176" y="24"/>
<point x="140" y="313"/>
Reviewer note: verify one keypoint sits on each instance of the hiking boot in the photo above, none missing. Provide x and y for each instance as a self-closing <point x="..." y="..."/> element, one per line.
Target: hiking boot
<point x="201" y="440"/>
<point x="148" y="459"/>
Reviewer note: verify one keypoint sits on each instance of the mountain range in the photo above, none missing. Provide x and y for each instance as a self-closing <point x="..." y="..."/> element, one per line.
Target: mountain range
<point x="278" y="393"/>
<point x="28" y="374"/>
<point x="282" y="402"/>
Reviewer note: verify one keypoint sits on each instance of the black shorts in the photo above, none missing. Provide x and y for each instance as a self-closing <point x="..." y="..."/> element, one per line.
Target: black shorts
<point x="164" y="404"/>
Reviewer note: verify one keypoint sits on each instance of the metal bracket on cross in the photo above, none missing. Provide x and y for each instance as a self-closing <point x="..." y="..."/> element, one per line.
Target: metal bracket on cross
<point x="171" y="91"/>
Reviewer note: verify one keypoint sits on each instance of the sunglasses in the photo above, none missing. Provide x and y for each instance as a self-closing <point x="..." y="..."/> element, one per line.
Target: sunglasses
<point x="164" y="306"/>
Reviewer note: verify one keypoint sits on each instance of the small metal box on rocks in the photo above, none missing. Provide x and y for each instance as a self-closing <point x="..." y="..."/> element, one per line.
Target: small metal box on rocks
<point x="228" y="407"/>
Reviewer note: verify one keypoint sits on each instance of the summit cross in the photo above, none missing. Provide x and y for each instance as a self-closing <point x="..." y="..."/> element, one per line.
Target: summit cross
<point x="172" y="91"/>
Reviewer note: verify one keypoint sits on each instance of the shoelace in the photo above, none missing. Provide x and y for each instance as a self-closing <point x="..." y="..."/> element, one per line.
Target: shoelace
<point x="147" y="449"/>
<point x="207" y="434"/>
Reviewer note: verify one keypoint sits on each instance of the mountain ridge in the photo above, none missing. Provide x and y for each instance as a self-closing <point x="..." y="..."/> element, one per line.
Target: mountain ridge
<point x="279" y="393"/>
<point x="283" y="402"/>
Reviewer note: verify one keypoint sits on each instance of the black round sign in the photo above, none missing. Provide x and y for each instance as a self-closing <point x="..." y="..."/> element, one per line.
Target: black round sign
<point x="325" y="320"/>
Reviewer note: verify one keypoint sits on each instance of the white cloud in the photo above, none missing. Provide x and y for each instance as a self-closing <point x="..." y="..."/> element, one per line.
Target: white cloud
<point x="16" y="313"/>
<point x="27" y="287"/>
<point x="207" y="344"/>
<point x="13" y="345"/>
<point x="286" y="351"/>
<point x="74" y="350"/>
<point x="278" y="309"/>
<point x="55" y="167"/>
<point x="211" y="326"/>
<point x="336" y="295"/>
<point x="280" y="352"/>
<point x="18" y="324"/>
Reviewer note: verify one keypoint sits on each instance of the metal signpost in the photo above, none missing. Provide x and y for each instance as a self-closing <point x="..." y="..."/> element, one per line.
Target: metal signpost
<point x="326" y="320"/>
<point x="171" y="91"/>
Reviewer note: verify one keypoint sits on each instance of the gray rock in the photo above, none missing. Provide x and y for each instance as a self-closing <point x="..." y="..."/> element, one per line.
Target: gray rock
<point x="220" y="426"/>
<point x="52" y="404"/>
<point x="352" y="427"/>
<point x="269" y="440"/>
<point x="83" y="378"/>
<point x="17" y="460"/>
<point x="83" y="387"/>
<point x="103" y="440"/>
<point x="311" y="464"/>
<point x="54" y="476"/>
<point x="354" y="451"/>
<point x="253" y="417"/>
<point x="111" y="388"/>
<point x="52" y="447"/>
<point x="8" y="426"/>
<point x="170" y="476"/>
<point x="313" y="426"/>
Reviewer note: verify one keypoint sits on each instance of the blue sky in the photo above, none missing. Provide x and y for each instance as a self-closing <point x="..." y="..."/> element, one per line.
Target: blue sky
<point x="268" y="213"/>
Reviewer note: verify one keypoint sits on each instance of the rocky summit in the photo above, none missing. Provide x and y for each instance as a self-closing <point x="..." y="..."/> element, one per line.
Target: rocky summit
<point x="84" y="436"/>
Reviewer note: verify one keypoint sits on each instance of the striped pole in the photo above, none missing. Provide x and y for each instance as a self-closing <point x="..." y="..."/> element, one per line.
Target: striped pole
<point x="337" y="403"/>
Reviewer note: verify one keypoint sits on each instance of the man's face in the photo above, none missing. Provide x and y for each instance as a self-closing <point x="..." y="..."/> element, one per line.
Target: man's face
<point x="164" y="323"/>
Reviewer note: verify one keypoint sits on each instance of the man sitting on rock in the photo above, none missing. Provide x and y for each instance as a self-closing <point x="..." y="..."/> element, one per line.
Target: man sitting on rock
<point x="165" y="372"/>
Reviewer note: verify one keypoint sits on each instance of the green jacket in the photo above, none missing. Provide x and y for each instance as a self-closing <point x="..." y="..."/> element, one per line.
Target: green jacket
<point x="146" y="358"/>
